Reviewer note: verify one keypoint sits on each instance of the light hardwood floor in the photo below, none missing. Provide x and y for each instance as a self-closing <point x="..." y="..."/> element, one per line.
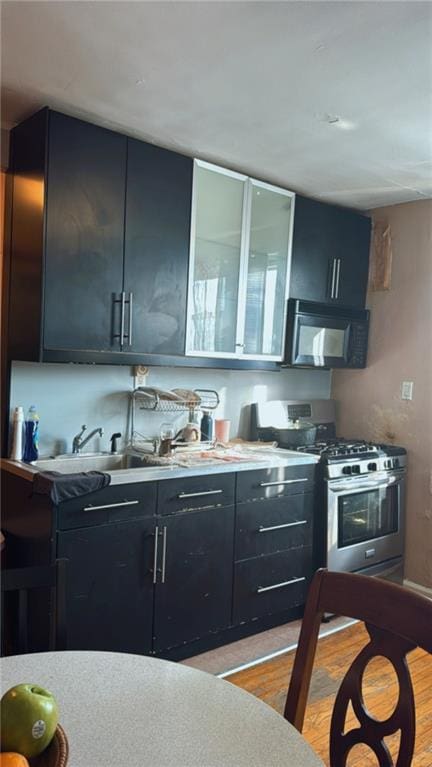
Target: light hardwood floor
<point x="269" y="681"/>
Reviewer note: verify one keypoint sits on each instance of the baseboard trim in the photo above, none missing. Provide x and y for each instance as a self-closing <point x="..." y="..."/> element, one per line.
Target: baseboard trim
<point x="427" y="592"/>
<point x="324" y="632"/>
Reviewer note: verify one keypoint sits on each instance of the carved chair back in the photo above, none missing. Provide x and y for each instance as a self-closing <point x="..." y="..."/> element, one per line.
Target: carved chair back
<point x="397" y="621"/>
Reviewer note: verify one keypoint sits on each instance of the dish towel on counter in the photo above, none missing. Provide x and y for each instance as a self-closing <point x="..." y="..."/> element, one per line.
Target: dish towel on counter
<point x="62" y="487"/>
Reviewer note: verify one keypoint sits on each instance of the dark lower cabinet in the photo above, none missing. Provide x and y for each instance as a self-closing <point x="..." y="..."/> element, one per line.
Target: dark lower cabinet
<point x="170" y="567"/>
<point x="109" y="592"/>
<point x="194" y="589"/>
<point x="271" y="584"/>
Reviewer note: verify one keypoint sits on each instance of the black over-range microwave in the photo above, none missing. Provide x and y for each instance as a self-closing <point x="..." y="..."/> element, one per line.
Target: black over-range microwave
<point x="319" y="335"/>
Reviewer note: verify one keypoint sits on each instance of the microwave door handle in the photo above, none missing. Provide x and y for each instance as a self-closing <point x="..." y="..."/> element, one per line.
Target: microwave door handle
<point x="338" y="267"/>
<point x="333" y="278"/>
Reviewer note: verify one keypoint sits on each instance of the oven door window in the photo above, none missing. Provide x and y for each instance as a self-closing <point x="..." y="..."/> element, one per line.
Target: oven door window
<point x="367" y="515"/>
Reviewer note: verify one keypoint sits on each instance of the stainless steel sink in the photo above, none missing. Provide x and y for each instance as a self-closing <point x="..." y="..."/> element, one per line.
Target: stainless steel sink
<point x="71" y="464"/>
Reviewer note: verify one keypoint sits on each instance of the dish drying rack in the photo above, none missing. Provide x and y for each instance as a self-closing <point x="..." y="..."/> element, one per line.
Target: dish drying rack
<point x="161" y="401"/>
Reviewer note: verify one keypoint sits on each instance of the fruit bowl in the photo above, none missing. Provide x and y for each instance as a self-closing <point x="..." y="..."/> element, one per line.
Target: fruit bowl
<point x="57" y="753"/>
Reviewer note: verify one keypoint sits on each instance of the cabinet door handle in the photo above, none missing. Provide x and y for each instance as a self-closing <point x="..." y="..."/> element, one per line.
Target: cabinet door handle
<point x="196" y="495"/>
<point x="261" y="589"/>
<point x="333" y="279"/>
<point x="338" y="266"/>
<point x="164" y="543"/>
<point x="155" y="554"/>
<point x="122" y="318"/>
<point x="283" y="482"/>
<point x="110" y="505"/>
<point x="121" y="301"/>
<point x="130" y="317"/>
<point x="129" y="302"/>
<point x="262" y="529"/>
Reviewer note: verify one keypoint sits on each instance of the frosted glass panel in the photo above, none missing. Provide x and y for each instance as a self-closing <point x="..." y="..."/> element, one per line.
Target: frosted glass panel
<point x="219" y="207"/>
<point x="321" y="342"/>
<point x="267" y="271"/>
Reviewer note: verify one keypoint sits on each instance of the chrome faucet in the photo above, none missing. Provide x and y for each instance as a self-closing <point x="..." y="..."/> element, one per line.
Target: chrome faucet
<point x="79" y="443"/>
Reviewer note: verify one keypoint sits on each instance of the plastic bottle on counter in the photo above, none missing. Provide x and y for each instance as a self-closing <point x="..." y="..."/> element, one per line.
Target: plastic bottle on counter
<point x="16" y="453"/>
<point x="31" y="448"/>
<point x="206" y="426"/>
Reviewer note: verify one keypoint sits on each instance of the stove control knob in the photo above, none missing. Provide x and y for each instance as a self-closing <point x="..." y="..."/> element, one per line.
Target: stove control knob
<point x="372" y="467"/>
<point x="395" y="462"/>
<point x="356" y="469"/>
<point x="346" y="470"/>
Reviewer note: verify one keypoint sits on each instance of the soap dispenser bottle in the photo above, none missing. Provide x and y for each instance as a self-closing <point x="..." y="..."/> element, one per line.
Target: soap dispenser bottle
<point x="31" y="449"/>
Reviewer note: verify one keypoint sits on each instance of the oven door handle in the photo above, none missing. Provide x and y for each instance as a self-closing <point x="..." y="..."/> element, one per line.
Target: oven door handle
<point x="354" y="487"/>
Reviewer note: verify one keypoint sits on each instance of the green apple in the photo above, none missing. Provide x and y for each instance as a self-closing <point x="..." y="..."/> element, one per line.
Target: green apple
<point x="29" y="716"/>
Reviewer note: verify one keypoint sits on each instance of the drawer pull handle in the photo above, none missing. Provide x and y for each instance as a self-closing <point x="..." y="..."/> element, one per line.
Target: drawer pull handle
<point x="262" y="529"/>
<point x="196" y="495"/>
<point x="284" y="482"/>
<point x="261" y="589"/>
<point x="110" y="505"/>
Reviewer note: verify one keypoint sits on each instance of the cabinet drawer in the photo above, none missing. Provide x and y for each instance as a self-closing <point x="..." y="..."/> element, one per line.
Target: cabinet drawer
<point x="190" y="493"/>
<point x="115" y="503"/>
<point x="272" y="483"/>
<point x="270" y="584"/>
<point x="265" y="527"/>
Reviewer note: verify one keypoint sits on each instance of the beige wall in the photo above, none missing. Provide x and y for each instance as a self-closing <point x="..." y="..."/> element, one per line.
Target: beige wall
<point x="400" y="349"/>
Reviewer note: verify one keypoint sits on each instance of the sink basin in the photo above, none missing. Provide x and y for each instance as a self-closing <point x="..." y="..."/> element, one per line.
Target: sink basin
<point x="71" y="464"/>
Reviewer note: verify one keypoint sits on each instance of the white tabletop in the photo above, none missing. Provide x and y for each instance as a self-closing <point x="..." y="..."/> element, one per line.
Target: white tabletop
<point x="123" y="710"/>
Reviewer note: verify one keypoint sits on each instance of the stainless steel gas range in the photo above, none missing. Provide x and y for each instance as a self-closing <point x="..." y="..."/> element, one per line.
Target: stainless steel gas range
<point x="360" y="509"/>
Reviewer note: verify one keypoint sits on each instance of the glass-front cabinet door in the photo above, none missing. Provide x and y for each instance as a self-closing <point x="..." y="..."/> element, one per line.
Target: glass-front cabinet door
<point x="241" y="232"/>
<point x="219" y="198"/>
<point x="267" y="267"/>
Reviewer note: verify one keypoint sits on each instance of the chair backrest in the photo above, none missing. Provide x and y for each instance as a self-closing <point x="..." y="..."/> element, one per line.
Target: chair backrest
<point x="26" y="579"/>
<point x="397" y="620"/>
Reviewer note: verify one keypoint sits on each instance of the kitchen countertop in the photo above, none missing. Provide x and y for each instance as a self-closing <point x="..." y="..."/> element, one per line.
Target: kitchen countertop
<point x="259" y="460"/>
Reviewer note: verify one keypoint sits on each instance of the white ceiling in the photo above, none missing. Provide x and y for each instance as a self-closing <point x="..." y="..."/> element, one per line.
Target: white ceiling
<point x="244" y="84"/>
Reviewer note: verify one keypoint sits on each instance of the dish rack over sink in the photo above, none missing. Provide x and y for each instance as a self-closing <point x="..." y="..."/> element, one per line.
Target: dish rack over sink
<point x="169" y="402"/>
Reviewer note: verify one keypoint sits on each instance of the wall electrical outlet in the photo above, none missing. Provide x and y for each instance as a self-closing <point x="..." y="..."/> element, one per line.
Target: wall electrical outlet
<point x="407" y="389"/>
<point x="140" y="373"/>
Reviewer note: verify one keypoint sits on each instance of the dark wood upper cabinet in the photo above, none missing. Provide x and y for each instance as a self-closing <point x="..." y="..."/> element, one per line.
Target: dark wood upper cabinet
<point x="330" y="255"/>
<point x="100" y="234"/>
<point x="158" y="206"/>
<point x="85" y="198"/>
<point x="99" y="247"/>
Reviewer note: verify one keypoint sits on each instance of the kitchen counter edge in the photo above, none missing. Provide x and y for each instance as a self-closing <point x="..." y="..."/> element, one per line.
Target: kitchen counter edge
<point x="277" y="459"/>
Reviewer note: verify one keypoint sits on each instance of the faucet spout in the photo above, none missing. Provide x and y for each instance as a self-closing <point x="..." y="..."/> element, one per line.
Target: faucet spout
<point x="78" y="443"/>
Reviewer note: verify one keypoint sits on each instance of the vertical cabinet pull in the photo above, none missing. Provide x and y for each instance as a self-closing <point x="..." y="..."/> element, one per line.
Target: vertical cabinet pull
<point x="122" y="318"/>
<point x="155" y="554"/>
<point x="123" y="301"/>
<point x="130" y="318"/>
<point x="164" y="542"/>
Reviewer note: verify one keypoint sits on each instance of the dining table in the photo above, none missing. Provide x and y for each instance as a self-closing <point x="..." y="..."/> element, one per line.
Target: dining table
<point x="125" y="710"/>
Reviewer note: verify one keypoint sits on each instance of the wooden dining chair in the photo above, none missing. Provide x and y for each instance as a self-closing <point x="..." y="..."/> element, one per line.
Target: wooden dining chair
<point x="24" y="580"/>
<point x="397" y="621"/>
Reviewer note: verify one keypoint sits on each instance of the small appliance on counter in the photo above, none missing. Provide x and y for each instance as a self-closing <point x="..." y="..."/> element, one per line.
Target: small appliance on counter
<point x="360" y="510"/>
